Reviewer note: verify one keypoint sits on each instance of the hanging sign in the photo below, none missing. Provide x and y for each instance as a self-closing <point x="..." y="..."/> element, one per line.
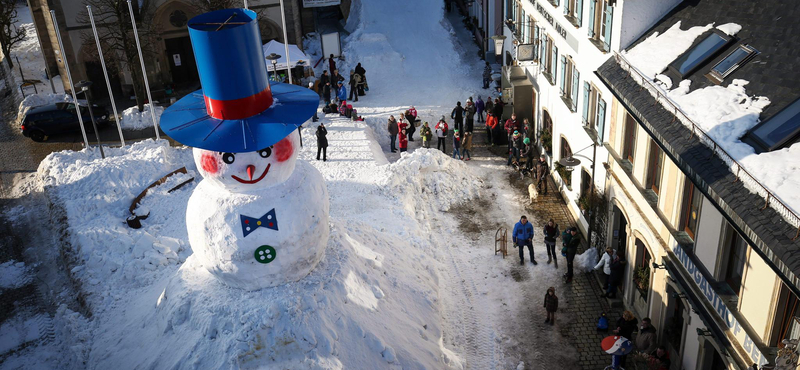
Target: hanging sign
<point x="319" y="3"/>
<point x="177" y="59"/>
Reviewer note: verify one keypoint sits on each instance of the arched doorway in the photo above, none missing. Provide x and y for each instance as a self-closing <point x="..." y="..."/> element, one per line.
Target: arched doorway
<point x="619" y="236"/>
<point x="171" y="18"/>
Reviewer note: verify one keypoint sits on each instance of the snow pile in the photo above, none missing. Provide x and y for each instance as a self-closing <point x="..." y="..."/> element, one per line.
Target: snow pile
<point x="13" y="275"/>
<point x="655" y="53"/>
<point x="18" y="331"/>
<point x="133" y="119"/>
<point x="730" y="29"/>
<point x="367" y="305"/>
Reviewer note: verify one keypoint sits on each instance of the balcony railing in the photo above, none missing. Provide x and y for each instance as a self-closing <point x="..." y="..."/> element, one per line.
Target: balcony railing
<point x="741" y="173"/>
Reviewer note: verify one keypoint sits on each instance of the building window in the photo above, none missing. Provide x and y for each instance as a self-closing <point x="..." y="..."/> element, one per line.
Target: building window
<point x="594" y="110"/>
<point x="641" y="269"/>
<point x="787" y="322"/>
<point x="536" y="32"/>
<point x="549" y="58"/>
<point x="569" y="83"/>
<point x="697" y="55"/>
<point x="777" y="132"/>
<point x="547" y="133"/>
<point x="585" y="198"/>
<point x="529" y="31"/>
<point x="674" y="327"/>
<point x="555" y="2"/>
<point x="629" y="138"/>
<point x="654" y="167"/>
<point x="566" y="152"/>
<point x="690" y="213"/>
<point x="601" y="16"/>
<point x="519" y="28"/>
<point x="573" y="11"/>
<point x="735" y="251"/>
<point x="738" y="57"/>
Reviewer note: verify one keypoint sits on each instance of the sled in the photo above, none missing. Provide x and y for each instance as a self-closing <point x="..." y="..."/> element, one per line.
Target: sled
<point x="501" y="241"/>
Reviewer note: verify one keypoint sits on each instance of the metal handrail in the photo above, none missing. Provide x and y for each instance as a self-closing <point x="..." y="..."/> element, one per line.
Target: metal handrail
<point x="741" y="173"/>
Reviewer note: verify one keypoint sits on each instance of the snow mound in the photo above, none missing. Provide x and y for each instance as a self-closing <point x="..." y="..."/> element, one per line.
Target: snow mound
<point x="133" y="119"/>
<point x="730" y="29"/>
<point x="13" y="275"/>
<point x="655" y="53"/>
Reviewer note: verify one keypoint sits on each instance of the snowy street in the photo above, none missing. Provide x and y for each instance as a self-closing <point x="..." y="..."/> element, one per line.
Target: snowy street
<point x="408" y="279"/>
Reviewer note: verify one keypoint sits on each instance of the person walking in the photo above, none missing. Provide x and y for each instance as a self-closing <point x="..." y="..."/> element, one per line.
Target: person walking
<point x="550" y="305"/>
<point x="467" y="146"/>
<point x="393" y="131"/>
<point x="511" y="126"/>
<point x="457" y="145"/>
<point x="571" y="242"/>
<point x="626" y="325"/>
<point x="458" y="117"/>
<point x="542" y="170"/>
<point x="426" y="134"/>
<point x="322" y="141"/>
<point x="479" y="107"/>
<point x="647" y="340"/>
<point x="617" y="272"/>
<point x="605" y="264"/>
<point x="550" y="236"/>
<point x="441" y="134"/>
<point x="522" y="236"/>
<point x="491" y="123"/>
<point x="402" y="128"/>
<point x="516" y="144"/>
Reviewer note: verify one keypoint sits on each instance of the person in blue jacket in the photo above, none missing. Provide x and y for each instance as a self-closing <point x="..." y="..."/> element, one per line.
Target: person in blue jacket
<point x="342" y="92"/>
<point x="522" y="237"/>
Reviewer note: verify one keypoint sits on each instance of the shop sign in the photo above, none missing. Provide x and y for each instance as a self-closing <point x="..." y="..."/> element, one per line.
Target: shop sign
<point x="561" y="30"/>
<point x="720" y="307"/>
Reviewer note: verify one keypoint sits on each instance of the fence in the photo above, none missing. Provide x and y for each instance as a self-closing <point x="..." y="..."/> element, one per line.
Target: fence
<point x="741" y="173"/>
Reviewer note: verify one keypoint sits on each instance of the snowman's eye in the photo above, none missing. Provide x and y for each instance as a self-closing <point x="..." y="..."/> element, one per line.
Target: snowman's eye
<point x="228" y="158"/>
<point x="265" y="153"/>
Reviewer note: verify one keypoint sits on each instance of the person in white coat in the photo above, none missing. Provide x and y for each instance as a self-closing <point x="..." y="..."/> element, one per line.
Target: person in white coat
<point x="605" y="264"/>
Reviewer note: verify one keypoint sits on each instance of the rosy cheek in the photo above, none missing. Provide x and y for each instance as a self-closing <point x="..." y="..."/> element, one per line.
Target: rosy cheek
<point x="209" y="163"/>
<point x="284" y="149"/>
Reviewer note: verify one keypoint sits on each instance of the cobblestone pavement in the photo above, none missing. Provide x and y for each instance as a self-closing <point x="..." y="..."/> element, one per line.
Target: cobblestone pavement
<point x="581" y="304"/>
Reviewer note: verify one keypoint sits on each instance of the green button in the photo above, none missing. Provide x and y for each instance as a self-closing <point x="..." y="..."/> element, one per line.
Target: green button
<point x="264" y="254"/>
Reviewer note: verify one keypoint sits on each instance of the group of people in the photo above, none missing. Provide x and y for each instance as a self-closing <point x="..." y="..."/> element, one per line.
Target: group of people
<point x="404" y="129"/>
<point x="646" y="342"/>
<point x="332" y="86"/>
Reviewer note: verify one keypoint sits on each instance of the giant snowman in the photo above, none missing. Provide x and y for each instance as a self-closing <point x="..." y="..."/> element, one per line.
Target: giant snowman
<point x="259" y="218"/>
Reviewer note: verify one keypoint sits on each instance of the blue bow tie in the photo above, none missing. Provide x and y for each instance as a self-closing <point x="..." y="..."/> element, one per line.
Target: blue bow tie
<point x="250" y="224"/>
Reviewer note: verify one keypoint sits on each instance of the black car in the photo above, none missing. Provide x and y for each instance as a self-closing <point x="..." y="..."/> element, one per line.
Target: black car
<point x="47" y="120"/>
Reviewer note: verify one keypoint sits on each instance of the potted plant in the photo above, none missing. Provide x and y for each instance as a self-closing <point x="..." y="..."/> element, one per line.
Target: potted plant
<point x="641" y="277"/>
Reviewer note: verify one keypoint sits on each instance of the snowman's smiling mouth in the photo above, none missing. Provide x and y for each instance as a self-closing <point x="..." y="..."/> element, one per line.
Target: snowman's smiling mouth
<point x="254" y="180"/>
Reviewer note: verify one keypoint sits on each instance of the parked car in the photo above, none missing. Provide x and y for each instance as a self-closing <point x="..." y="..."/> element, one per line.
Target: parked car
<point x="47" y="120"/>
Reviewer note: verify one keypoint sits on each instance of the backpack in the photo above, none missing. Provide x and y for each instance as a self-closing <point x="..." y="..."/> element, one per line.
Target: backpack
<point x="602" y="323"/>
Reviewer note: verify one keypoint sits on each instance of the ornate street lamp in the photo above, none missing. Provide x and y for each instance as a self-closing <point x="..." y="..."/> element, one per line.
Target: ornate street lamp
<point x="498" y="47"/>
<point x="274" y="59"/>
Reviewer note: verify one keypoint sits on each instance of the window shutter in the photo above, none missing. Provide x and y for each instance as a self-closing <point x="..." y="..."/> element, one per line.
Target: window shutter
<point x="576" y="76"/>
<point x="543" y="54"/>
<point x="566" y="7"/>
<point x="579" y="11"/>
<point x="586" y="88"/>
<point x="563" y="73"/>
<point x="601" y="120"/>
<point x="535" y="41"/>
<point x="553" y="67"/>
<point x="609" y="18"/>
<point x="592" y="6"/>
<point x="558" y="2"/>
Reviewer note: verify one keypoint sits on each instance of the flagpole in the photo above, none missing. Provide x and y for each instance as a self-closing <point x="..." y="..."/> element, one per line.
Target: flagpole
<point x="69" y="77"/>
<point x="144" y="71"/>
<point x="285" y="42"/>
<point x="105" y="73"/>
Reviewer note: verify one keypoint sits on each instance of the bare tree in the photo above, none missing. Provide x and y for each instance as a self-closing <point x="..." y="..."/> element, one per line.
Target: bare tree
<point x="116" y="33"/>
<point x="9" y="33"/>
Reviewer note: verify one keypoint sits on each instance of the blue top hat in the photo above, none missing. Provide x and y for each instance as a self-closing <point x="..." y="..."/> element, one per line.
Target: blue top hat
<point x="237" y="110"/>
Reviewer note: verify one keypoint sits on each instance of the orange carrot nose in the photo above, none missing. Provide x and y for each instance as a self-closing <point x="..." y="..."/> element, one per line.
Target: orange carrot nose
<point x="250" y="171"/>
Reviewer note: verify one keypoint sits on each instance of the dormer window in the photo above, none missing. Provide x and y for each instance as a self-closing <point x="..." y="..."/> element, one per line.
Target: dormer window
<point x="698" y="54"/>
<point x="779" y="131"/>
<point x="738" y="57"/>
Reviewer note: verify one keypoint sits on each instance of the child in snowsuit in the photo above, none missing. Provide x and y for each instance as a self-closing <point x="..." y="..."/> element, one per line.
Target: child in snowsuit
<point x="550" y="305"/>
<point x="457" y="144"/>
<point x="427" y="135"/>
<point x="441" y="134"/>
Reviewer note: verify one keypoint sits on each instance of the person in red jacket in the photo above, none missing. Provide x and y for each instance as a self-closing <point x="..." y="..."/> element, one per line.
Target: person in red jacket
<point x="402" y="126"/>
<point x="511" y="126"/>
<point x="491" y="123"/>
